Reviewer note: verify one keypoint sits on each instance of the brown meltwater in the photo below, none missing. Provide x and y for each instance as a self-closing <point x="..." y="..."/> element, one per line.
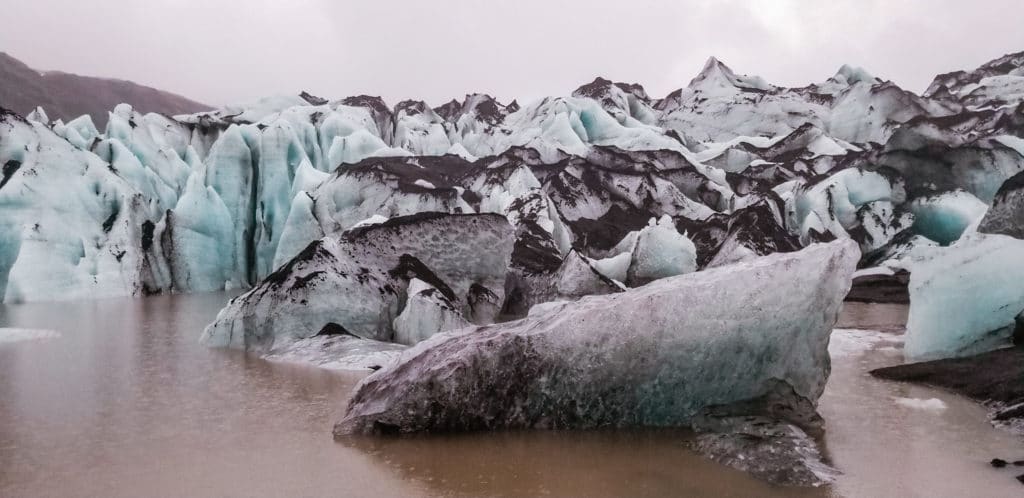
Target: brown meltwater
<point x="124" y="401"/>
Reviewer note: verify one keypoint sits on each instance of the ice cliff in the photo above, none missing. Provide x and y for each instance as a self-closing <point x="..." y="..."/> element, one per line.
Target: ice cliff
<point x="741" y="167"/>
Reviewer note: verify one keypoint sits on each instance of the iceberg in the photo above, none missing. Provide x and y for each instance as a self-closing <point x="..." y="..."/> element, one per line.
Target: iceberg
<point x="964" y="298"/>
<point x="660" y="251"/>
<point x="360" y="280"/>
<point x="659" y="355"/>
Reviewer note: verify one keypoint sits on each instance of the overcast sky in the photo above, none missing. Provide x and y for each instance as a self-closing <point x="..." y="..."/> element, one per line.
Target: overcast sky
<point x="229" y="51"/>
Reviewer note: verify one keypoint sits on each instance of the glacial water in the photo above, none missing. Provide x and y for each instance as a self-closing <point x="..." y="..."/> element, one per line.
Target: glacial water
<point x="116" y="398"/>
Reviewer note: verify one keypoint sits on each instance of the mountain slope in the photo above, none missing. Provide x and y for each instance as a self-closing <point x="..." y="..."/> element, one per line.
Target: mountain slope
<point x="66" y="96"/>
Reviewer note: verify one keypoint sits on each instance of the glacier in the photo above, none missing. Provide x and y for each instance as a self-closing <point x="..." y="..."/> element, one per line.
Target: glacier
<point x="222" y="199"/>
<point x="662" y="354"/>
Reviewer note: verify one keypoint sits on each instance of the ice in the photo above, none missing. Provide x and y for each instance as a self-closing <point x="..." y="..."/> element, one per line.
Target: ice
<point x="944" y="218"/>
<point x="324" y="284"/>
<point x="832" y="205"/>
<point x="460" y="150"/>
<point x="780" y="453"/>
<point x="357" y="281"/>
<point x="660" y="252"/>
<point x="427" y="311"/>
<point x="38" y="115"/>
<point x="200" y="236"/>
<point x="930" y="404"/>
<point x="579" y="276"/>
<point x="281" y="155"/>
<point x="601" y="361"/>
<point x="12" y="335"/>
<point x="964" y="298"/>
<point x="338" y="352"/>
<point x="68" y="223"/>
<point x="355" y="147"/>
<point x="230" y="172"/>
<point x="854" y="342"/>
<point x="419" y="130"/>
<point x="1006" y="216"/>
<point x="853" y="156"/>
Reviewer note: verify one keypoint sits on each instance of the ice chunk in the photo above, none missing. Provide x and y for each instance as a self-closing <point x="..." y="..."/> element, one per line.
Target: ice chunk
<point x="964" y="298"/>
<point x="357" y="281"/>
<point x="427" y="311"/>
<point x="38" y="115"/>
<point x="335" y="350"/>
<point x="930" y="404"/>
<point x="323" y="284"/>
<point x="657" y="355"/>
<point x="660" y="252"/>
<point x="776" y="452"/>
<point x="10" y="335"/>
<point x="944" y="218"/>
<point x="1006" y="216"/>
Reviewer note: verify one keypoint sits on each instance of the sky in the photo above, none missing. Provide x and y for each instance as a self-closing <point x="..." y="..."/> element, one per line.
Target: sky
<point x="234" y="51"/>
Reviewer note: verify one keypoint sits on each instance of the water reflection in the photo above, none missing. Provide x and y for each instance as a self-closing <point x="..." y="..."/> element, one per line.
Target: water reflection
<point x="563" y="463"/>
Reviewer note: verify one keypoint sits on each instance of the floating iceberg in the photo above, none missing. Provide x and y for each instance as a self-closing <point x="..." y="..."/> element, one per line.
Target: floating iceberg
<point x="657" y="355"/>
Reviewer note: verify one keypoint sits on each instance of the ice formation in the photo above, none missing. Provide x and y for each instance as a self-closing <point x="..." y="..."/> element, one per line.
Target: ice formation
<point x="964" y="298"/>
<point x="776" y="452"/>
<point x="658" y="355"/>
<point x="12" y="335"/>
<point x="930" y="404"/>
<point x="427" y="311"/>
<point x="1006" y="216"/>
<point x="660" y="251"/>
<point x="358" y="282"/>
<point x="741" y="167"/>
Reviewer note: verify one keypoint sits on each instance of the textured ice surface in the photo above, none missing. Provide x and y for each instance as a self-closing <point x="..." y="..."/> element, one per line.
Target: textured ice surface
<point x="944" y="218"/>
<point x="656" y="355"/>
<point x="220" y="199"/>
<point x="963" y="298"/>
<point x="660" y="251"/>
<point x="1006" y="216"/>
<point x="358" y="281"/>
<point x="835" y="205"/>
<point x="69" y="223"/>
<point x="427" y="311"/>
<point x="338" y="352"/>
